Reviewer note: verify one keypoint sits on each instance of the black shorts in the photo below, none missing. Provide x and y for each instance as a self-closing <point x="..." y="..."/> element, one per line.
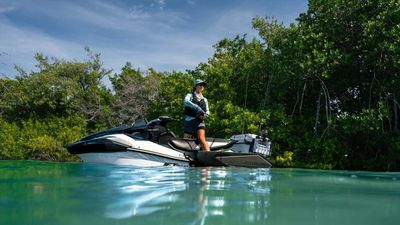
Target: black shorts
<point x="191" y="126"/>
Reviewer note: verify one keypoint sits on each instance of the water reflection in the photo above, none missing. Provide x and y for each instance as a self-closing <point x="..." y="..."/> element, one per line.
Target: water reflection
<point x="61" y="193"/>
<point x="325" y="197"/>
<point x="143" y="191"/>
<point x="189" y="195"/>
<point x="227" y="195"/>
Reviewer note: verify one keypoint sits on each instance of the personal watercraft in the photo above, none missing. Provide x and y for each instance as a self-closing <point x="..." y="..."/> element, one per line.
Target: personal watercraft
<point x="153" y="144"/>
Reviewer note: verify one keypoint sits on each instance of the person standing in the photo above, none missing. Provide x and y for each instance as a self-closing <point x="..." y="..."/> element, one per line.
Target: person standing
<point x="196" y="111"/>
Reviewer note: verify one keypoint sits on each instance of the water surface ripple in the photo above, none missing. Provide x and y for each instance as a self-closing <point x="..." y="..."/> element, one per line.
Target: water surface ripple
<point x="33" y="192"/>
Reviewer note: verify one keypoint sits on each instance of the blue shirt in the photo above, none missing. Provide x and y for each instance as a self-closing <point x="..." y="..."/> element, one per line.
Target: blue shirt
<point x="188" y="102"/>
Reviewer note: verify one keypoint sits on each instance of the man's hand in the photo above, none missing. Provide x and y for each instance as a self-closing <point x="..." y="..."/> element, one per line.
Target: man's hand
<point x="201" y="115"/>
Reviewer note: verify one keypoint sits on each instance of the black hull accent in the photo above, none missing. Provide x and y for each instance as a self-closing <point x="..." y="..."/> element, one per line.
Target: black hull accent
<point x="87" y="147"/>
<point x="211" y="158"/>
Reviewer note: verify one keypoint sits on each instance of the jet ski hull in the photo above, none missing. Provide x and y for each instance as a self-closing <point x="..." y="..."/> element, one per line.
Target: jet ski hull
<point x="195" y="158"/>
<point x="131" y="158"/>
<point x="152" y="144"/>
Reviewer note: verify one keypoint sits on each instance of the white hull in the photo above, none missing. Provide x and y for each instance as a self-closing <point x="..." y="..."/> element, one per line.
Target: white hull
<point x="131" y="158"/>
<point x="149" y="144"/>
<point x="140" y="153"/>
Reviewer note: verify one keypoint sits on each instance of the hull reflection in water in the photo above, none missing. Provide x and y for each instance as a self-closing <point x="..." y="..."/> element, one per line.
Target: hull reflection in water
<point x="190" y="195"/>
<point x="248" y="201"/>
<point x="140" y="197"/>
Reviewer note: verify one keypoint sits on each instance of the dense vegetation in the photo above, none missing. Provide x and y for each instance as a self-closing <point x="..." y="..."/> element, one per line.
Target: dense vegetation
<point x="325" y="88"/>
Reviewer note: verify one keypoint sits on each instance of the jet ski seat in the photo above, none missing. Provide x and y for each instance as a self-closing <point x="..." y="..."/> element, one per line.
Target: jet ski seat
<point x="183" y="144"/>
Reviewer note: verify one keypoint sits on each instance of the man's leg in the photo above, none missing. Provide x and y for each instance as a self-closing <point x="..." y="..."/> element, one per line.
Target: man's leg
<point x="201" y="135"/>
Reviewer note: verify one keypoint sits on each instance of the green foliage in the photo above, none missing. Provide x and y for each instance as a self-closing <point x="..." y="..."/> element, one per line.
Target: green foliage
<point x="240" y="71"/>
<point x="340" y="68"/>
<point x="10" y="143"/>
<point x="135" y="93"/>
<point x="326" y="90"/>
<point x="228" y="119"/>
<point x="43" y="139"/>
<point x="366" y="142"/>
<point x="173" y="88"/>
<point x="286" y="160"/>
<point x="59" y="88"/>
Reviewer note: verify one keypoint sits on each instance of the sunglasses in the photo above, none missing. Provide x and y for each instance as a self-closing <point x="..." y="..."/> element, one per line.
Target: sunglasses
<point x="201" y="84"/>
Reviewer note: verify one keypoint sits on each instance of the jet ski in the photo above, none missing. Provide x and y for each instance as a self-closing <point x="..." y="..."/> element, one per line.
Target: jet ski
<point x="144" y="144"/>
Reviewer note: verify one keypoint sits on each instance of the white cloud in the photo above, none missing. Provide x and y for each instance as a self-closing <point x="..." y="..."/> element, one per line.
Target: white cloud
<point x="148" y="36"/>
<point x="165" y="52"/>
<point x="191" y="2"/>
<point x="16" y="40"/>
<point x="22" y="44"/>
<point x="231" y="23"/>
<point x="6" y="6"/>
<point x="4" y="9"/>
<point x="102" y="14"/>
<point x="153" y="38"/>
<point x="138" y="12"/>
<point x="161" y="4"/>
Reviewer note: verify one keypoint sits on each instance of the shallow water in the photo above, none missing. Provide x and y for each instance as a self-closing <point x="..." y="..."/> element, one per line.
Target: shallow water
<point x="34" y="192"/>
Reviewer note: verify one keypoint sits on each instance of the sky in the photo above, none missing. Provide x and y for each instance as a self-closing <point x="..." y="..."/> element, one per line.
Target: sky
<point x="165" y="35"/>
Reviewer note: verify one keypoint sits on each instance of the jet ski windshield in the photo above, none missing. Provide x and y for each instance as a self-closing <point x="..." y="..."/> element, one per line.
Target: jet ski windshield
<point x="115" y="130"/>
<point x="142" y="124"/>
<point x="139" y="124"/>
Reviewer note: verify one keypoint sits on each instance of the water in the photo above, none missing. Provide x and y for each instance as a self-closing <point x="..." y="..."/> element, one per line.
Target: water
<point x="76" y="193"/>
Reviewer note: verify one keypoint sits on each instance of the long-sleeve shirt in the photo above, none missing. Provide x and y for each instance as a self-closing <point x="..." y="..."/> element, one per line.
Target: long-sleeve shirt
<point x="188" y="102"/>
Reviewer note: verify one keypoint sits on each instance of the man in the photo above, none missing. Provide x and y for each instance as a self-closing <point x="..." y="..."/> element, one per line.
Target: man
<point x="196" y="111"/>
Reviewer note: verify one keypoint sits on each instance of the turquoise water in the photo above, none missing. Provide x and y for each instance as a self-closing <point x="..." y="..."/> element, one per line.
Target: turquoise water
<point x="34" y="192"/>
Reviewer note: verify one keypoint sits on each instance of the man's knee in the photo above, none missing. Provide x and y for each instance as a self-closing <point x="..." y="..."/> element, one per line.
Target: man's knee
<point x="201" y="133"/>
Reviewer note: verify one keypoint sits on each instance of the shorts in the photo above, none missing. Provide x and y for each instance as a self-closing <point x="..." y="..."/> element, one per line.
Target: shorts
<point x="193" y="125"/>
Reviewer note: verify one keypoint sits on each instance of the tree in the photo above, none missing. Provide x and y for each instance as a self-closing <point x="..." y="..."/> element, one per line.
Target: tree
<point x="339" y="64"/>
<point x="173" y="88"/>
<point x="134" y="93"/>
<point x="59" y="88"/>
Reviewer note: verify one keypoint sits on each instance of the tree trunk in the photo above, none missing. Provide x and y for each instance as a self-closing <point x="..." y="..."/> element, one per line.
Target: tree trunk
<point x="395" y="113"/>
<point x="302" y="95"/>
<point x="317" y="115"/>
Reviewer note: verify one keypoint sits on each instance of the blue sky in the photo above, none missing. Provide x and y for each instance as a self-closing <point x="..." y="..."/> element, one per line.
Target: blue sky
<point x="163" y="34"/>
